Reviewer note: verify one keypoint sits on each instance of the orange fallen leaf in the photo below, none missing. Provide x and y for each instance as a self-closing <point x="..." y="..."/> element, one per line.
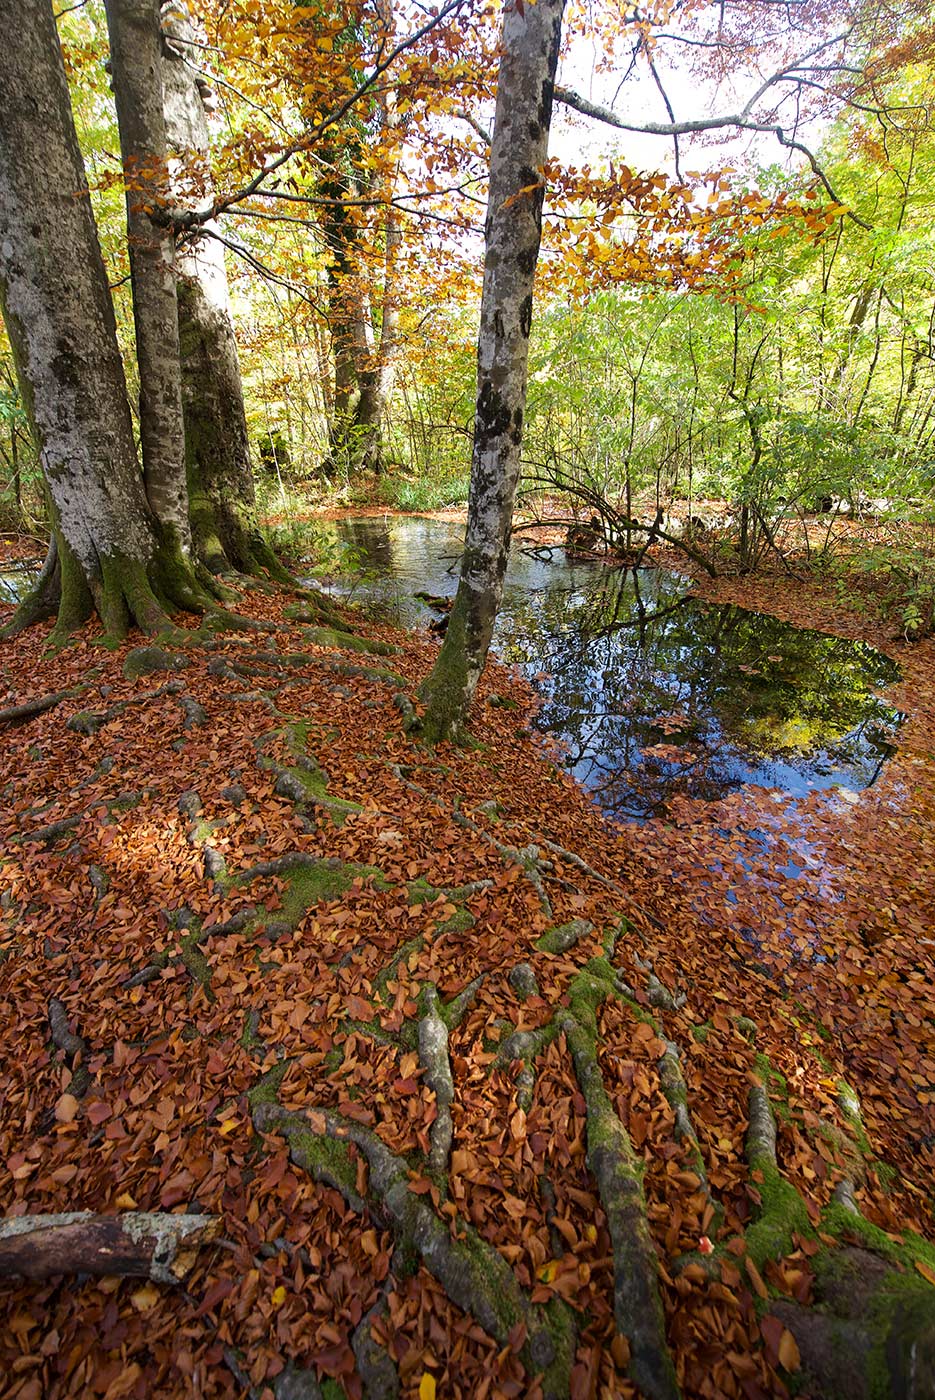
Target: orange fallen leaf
<point x="789" y="1357"/>
<point x="66" y="1109"/>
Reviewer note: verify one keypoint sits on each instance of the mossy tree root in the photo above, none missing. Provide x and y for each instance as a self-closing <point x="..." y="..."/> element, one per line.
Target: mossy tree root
<point x="672" y="1083"/>
<point x="527" y="858"/>
<point x="617" y="1171"/>
<point x="14" y="715"/>
<point x="375" y="1366"/>
<point x="782" y="1211"/>
<point x="317" y="610"/>
<point x="303" y="781"/>
<point x="475" y="1276"/>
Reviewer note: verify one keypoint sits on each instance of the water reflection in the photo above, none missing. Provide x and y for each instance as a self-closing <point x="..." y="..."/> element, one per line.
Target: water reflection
<point x="16" y="582"/>
<point x="653" y="694"/>
<point x="657" y="695"/>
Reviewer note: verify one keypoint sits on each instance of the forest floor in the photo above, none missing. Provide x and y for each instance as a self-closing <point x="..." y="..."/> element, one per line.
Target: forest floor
<point x="407" y="1021"/>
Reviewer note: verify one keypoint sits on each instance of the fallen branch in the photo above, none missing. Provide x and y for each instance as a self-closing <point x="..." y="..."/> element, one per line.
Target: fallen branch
<point x="139" y="1244"/>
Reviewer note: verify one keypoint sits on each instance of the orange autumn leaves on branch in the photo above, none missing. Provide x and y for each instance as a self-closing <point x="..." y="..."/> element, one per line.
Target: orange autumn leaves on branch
<point x="282" y="72"/>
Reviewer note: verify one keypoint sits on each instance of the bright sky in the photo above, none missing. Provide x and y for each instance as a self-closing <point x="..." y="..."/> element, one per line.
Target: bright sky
<point x="577" y="139"/>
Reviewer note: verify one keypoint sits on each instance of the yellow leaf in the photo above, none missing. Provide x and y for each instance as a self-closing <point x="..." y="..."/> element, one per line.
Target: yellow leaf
<point x="228" y="1127"/>
<point x="548" y="1271"/>
<point x="926" y="1271"/>
<point x="279" y="1296"/>
<point x="789" y="1357"/>
<point x="427" y="1387"/>
<point x="125" y="1201"/>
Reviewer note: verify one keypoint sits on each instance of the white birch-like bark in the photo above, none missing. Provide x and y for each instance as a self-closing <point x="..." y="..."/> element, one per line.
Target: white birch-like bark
<point x="58" y="311"/>
<point x="136" y="62"/>
<point x="529" y="46"/>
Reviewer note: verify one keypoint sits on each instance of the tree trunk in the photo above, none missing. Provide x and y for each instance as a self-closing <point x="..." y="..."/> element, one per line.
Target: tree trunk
<point x="60" y="319"/>
<point x="219" y="472"/>
<point x="530" y="44"/>
<point x="136" y="61"/>
<point x="375" y="367"/>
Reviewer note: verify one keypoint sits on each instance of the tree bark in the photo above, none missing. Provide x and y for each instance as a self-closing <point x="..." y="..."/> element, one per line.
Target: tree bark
<point x="530" y="43"/>
<point x="136" y="61"/>
<point x="218" y="468"/>
<point x="60" y="319"/>
<point x="136" y="1244"/>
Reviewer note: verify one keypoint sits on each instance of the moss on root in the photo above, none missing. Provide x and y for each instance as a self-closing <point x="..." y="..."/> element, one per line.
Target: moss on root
<point x="346" y="641"/>
<point x="308" y="881"/>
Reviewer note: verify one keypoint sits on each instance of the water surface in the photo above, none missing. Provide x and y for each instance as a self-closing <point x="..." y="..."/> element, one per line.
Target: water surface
<point x="653" y="694"/>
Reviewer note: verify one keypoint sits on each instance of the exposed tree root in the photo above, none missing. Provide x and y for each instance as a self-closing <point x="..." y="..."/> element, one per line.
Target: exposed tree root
<point x="433" y="1052"/>
<point x="563" y="937"/>
<point x="616" y="1169"/>
<point x="374" y="1363"/>
<point x="54" y="831"/>
<point x="88" y="722"/>
<point x="528" y="859"/>
<point x="29" y="709"/>
<point x="782" y="1210"/>
<point x="673" y="1085"/>
<point x="474" y="1275"/>
<point x="72" y="1047"/>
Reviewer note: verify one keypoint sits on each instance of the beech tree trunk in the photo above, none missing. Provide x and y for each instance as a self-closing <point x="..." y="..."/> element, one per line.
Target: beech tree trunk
<point x="136" y="63"/>
<point x="529" y="45"/>
<point x="60" y="319"/>
<point x="362" y="363"/>
<point x="344" y="322"/>
<point x="218" y="468"/>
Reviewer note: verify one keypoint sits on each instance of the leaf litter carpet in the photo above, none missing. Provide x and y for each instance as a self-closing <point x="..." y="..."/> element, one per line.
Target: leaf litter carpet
<point x="474" y="1081"/>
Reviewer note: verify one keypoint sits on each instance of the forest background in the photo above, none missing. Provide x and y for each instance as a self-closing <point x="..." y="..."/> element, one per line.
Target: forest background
<point x="750" y="322"/>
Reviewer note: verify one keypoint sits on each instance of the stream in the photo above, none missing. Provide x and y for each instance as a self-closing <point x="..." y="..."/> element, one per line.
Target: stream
<point x="650" y="693"/>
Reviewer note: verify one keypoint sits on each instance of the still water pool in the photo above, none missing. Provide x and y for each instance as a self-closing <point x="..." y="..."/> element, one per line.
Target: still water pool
<point x="651" y="693"/>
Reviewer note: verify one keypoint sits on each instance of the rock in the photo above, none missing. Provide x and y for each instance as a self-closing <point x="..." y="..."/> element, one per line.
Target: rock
<point x="235" y="794"/>
<point x="194" y="713"/>
<point x="144" y="661"/>
<point x="523" y="981"/>
<point x="214" y="863"/>
<point x="189" y="804"/>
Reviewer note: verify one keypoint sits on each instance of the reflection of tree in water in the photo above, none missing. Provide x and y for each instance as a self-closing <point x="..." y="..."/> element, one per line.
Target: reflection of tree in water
<point x="658" y="695"/>
<point x="654" y="694"/>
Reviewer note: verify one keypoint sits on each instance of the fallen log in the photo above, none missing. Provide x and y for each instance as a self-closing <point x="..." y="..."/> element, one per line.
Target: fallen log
<point x="134" y="1244"/>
